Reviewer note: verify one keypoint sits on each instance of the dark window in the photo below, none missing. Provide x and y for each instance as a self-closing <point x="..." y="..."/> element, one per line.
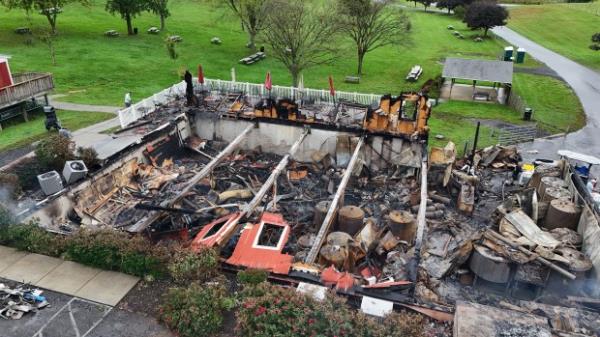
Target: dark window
<point x="270" y="235"/>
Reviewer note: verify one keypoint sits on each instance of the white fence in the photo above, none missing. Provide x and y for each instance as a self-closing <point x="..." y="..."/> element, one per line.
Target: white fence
<point x="148" y="105"/>
<point x="319" y="96"/>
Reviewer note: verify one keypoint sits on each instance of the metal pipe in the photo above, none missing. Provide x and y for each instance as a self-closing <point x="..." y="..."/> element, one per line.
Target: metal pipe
<point x="314" y="251"/>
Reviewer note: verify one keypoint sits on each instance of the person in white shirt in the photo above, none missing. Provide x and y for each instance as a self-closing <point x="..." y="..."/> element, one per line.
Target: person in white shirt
<point x="127" y="99"/>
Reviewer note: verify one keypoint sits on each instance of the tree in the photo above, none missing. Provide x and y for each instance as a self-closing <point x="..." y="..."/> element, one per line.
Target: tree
<point x="160" y="8"/>
<point x="425" y="3"/>
<point x="253" y="16"/>
<point x="300" y="37"/>
<point x="452" y="4"/>
<point x="128" y="9"/>
<point x="485" y="15"/>
<point x="371" y="24"/>
<point x="48" y="8"/>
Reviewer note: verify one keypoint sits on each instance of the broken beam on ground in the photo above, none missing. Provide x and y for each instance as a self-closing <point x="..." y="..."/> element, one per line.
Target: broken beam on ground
<point x="231" y="226"/>
<point x="273" y="177"/>
<point x="140" y="226"/>
<point x="314" y="251"/>
<point x="210" y="166"/>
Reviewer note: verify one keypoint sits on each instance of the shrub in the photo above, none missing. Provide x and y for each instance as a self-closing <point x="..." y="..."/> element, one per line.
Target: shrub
<point x="30" y="237"/>
<point x="89" y="156"/>
<point x="187" y="266"/>
<point x="6" y="219"/>
<point x="27" y="171"/>
<point x="252" y="276"/>
<point x="114" y="250"/>
<point x="269" y="310"/>
<point x="195" y="311"/>
<point x="9" y="183"/>
<point x="54" y="151"/>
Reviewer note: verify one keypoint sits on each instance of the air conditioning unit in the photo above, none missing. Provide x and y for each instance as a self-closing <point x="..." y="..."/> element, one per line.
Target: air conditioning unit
<point x="50" y="182"/>
<point x="74" y="170"/>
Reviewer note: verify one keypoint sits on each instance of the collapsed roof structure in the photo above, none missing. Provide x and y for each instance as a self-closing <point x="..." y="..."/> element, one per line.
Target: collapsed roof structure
<point x="344" y="194"/>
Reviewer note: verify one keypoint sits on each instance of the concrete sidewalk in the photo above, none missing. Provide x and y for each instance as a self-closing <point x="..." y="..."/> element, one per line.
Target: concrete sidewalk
<point x="101" y="286"/>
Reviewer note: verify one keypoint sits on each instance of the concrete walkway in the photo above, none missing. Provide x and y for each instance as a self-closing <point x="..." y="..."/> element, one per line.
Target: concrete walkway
<point x="101" y="286"/>
<point x="80" y="107"/>
<point x="584" y="81"/>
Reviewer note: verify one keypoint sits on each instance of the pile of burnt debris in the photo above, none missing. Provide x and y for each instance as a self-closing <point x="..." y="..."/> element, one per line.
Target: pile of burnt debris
<point x="369" y="215"/>
<point x="519" y="248"/>
<point x="16" y="302"/>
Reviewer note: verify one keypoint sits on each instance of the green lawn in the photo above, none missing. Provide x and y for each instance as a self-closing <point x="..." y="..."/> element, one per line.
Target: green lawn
<point x="95" y="69"/>
<point x="565" y="28"/>
<point x="553" y="102"/>
<point x="22" y="134"/>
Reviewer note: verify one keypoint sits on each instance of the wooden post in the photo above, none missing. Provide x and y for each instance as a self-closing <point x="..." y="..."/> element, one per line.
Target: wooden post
<point x="314" y="251"/>
<point x="273" y="177"/>
<point x="421" y="222"/>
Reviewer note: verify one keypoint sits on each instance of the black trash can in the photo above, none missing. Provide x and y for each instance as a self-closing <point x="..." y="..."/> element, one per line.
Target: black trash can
<point x="135" y="30"/>
<point x="527" y="114"/>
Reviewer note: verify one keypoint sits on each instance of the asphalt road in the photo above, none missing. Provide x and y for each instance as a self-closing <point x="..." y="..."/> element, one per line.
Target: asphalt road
<point x="586" y="84"/>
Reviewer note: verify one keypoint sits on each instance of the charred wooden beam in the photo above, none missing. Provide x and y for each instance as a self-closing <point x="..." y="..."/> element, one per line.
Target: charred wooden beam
<point x="314" y="251"/>
<point x="276" y="172"/>
<point x="210" y="166"/>
<point x="249" y="209"/>
<point x="147" y="221"/>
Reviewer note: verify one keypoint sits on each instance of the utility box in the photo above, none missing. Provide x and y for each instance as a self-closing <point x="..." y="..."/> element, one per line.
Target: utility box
<point x="50" y="182"/>
<point x="6" y="79"/>
<point x="508" y="53"/>
<point x="74" y="170"/>
<point x="520" y="55"/>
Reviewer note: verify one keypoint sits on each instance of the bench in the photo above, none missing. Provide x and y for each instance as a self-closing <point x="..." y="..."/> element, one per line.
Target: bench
<point x="253" y="58"/>
<point x="415" y="73"/>
<point x="352" y="79"/>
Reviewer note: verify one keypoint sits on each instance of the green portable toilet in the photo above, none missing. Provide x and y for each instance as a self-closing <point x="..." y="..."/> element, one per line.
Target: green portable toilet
<point x="508" y="53"/>
<point x="520" y="55"/>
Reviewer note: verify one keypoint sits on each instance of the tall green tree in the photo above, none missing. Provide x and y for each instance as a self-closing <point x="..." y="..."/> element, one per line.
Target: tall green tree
<point x="48" y="8"/>
<point x="371" y="25"/>
<point x="128" y="9"/>
<point x="160" y="8"/>
<point x="300" y="36"/>
<point x="450" y="5"/>
<point x="253" y="16"/>
<point x="485" y="15"/>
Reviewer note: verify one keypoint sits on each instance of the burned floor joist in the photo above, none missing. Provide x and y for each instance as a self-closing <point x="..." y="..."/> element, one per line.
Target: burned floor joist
<point x="333" y="207"/>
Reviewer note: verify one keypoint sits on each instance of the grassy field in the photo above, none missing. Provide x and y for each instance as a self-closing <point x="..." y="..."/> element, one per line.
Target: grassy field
<point x="22" y="134"/>
<point x="565" y="28"/>
<point x="94" y="69"/>
<point x="553" y="105"/>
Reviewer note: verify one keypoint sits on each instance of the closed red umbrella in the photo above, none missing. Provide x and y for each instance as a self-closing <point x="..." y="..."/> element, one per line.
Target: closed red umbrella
<point x="268" y="83"/>
<point x="200" y="74"/>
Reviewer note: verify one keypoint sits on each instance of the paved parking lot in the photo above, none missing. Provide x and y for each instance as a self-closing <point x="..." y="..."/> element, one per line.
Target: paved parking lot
<point x="69" y="316"/>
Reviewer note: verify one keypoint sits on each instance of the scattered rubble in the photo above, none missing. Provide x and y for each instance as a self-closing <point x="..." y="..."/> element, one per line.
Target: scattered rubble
<point x="16" y="302"/>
